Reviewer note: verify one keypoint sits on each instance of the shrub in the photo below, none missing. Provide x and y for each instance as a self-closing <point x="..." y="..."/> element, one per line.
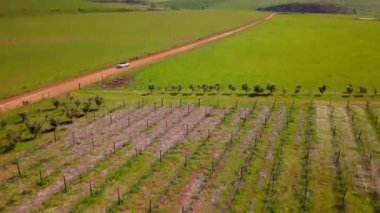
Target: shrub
<point x="246" y="88"/>
<point x="13" y="137"/>
<point x="258" y="89"/>
<point x="349" y="89"/>
<point x="54" y="123"/>
<point x="99" y="101"/>
<point x="77" y="103"/>
<point x="151" y="88"/>
<point x="297" y="89"/>
<point x="3" y="124"/>
<point x="271" y="88"/>
<point x="34" y="128"/>
<point x="362" y="90"/>
<point x="23" y="116"/>
<point x="322" y="89"/>
<point x="55" y="103"/>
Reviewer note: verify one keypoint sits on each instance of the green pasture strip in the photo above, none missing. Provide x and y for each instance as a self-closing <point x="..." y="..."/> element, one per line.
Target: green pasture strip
<point x="322" y="163"/>
<point x="357" y="198"/>
<point x="286" y="197"/>
<point x="286" y="136"/>
<point x="329" y="49"/>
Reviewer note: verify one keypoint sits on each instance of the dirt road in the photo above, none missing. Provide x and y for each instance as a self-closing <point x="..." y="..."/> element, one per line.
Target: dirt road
<point x="67" y="86"/>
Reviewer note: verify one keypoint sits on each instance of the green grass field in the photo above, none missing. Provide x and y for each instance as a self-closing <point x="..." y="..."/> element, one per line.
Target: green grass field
<point x="40" y="7"/>
<point x="289" y="50"/>
<point x="365" y="6"/>
<point x="40" y="50"/>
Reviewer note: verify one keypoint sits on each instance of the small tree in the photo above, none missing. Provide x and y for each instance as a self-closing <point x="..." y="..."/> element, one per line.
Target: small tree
<point x="218" y="87"/>
<point x="204" y="88"/>
<point x="3" y="124"/>
<point x="55" y="103"/>
<point x="54" y="123"/>
<point x="322" y="89"/>
<point x="192" y="87"/>
<point x="34" y="128"/>
<point x="271" y="88"/>
<point x="151" y="88"/>
<point x="179" y="88"/>
<point x="349" y="89"/>
<point x="23" y="116"/>
<point x="232" y="88"/>
<point x="362" y="90"/>
<point x="77" y="103"/>
<point x="298" y="89"/>
<point x="99" y="101"/>
<point x="70" y="114"/>
<point x="246" y="88"/>
<point x="375" y="91"/>
<point x="90" y="99"/>
<point x="13" y="137"/>
<point x="86" y="107"/>
<point x="258" y="89"/>
<point x="70" y="97"/>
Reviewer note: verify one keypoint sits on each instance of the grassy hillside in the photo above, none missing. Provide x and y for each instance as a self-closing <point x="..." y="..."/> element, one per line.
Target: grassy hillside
<point x="364" y="6"/>
<point x="289" y="50"/>
<point x="35" y="51"/>
<point x="22" y="7"/>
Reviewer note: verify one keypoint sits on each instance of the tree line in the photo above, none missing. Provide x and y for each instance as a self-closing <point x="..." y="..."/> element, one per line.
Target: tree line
<point x="257" y="89"/>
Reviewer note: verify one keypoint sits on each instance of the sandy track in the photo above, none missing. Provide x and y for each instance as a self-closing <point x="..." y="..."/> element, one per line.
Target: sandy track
<point x="63" y="87"/>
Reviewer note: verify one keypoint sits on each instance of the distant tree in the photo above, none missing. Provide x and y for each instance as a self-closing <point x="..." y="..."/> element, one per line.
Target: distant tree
<point x="13" y="137"/>
<point x="55" y="103"/>
<point x="3" y="124"/>
<point x="99" y="101"/>
<point x="179" y="88"/>
<point x="192" y="87"/>
<point x="151" y="88"/>
<point x="322" y="89"/>
<point x="34" y="128"/>
<point x="70" y="113"/>
<point x="77" y="103"/>
<point x="349" y="89"/>
<point x="90" y="99"/>
<point x="86" y="107"/>
<point x="23" y="116"/>
<point x="375" y="91"/>
<point x="54" y="123"/>
<point x="232" y="88"/>
<point x="271" y="88"/>
<point x="298" y="89"/>
<point x="246" y="88"/>
<point x="204" y="88"/>
<point x="362" y="90"/>
<point x="218" y="87"/>
<point x="70" y="97"/>
<point x="258" y="89"/>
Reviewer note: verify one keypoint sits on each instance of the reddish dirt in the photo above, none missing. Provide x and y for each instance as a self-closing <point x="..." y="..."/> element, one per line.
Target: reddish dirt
<point x="64" y="87"/>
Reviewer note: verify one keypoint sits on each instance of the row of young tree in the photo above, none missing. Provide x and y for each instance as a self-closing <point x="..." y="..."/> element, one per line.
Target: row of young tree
<point x="71" y="109"/>
<point x="257" y="88"/>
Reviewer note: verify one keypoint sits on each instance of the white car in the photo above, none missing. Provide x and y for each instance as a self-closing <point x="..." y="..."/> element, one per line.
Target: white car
<point x="123" y="64"/>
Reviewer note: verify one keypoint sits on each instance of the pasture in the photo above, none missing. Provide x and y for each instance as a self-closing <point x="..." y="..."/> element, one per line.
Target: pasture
<point x="215" y="153"/>
<point x="39" y="50"/>
<point x="289" y="50"/>
<point x="362" y="7"/>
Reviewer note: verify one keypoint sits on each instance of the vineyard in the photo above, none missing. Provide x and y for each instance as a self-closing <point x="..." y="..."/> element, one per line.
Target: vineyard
<point x="265" y="155"/>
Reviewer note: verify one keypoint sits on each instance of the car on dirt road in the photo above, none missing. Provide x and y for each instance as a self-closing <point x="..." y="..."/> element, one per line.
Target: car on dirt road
<point x="123" y="64"/>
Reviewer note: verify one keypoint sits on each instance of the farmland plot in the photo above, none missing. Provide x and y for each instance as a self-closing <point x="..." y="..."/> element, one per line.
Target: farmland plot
<point x="258" y="156"/>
